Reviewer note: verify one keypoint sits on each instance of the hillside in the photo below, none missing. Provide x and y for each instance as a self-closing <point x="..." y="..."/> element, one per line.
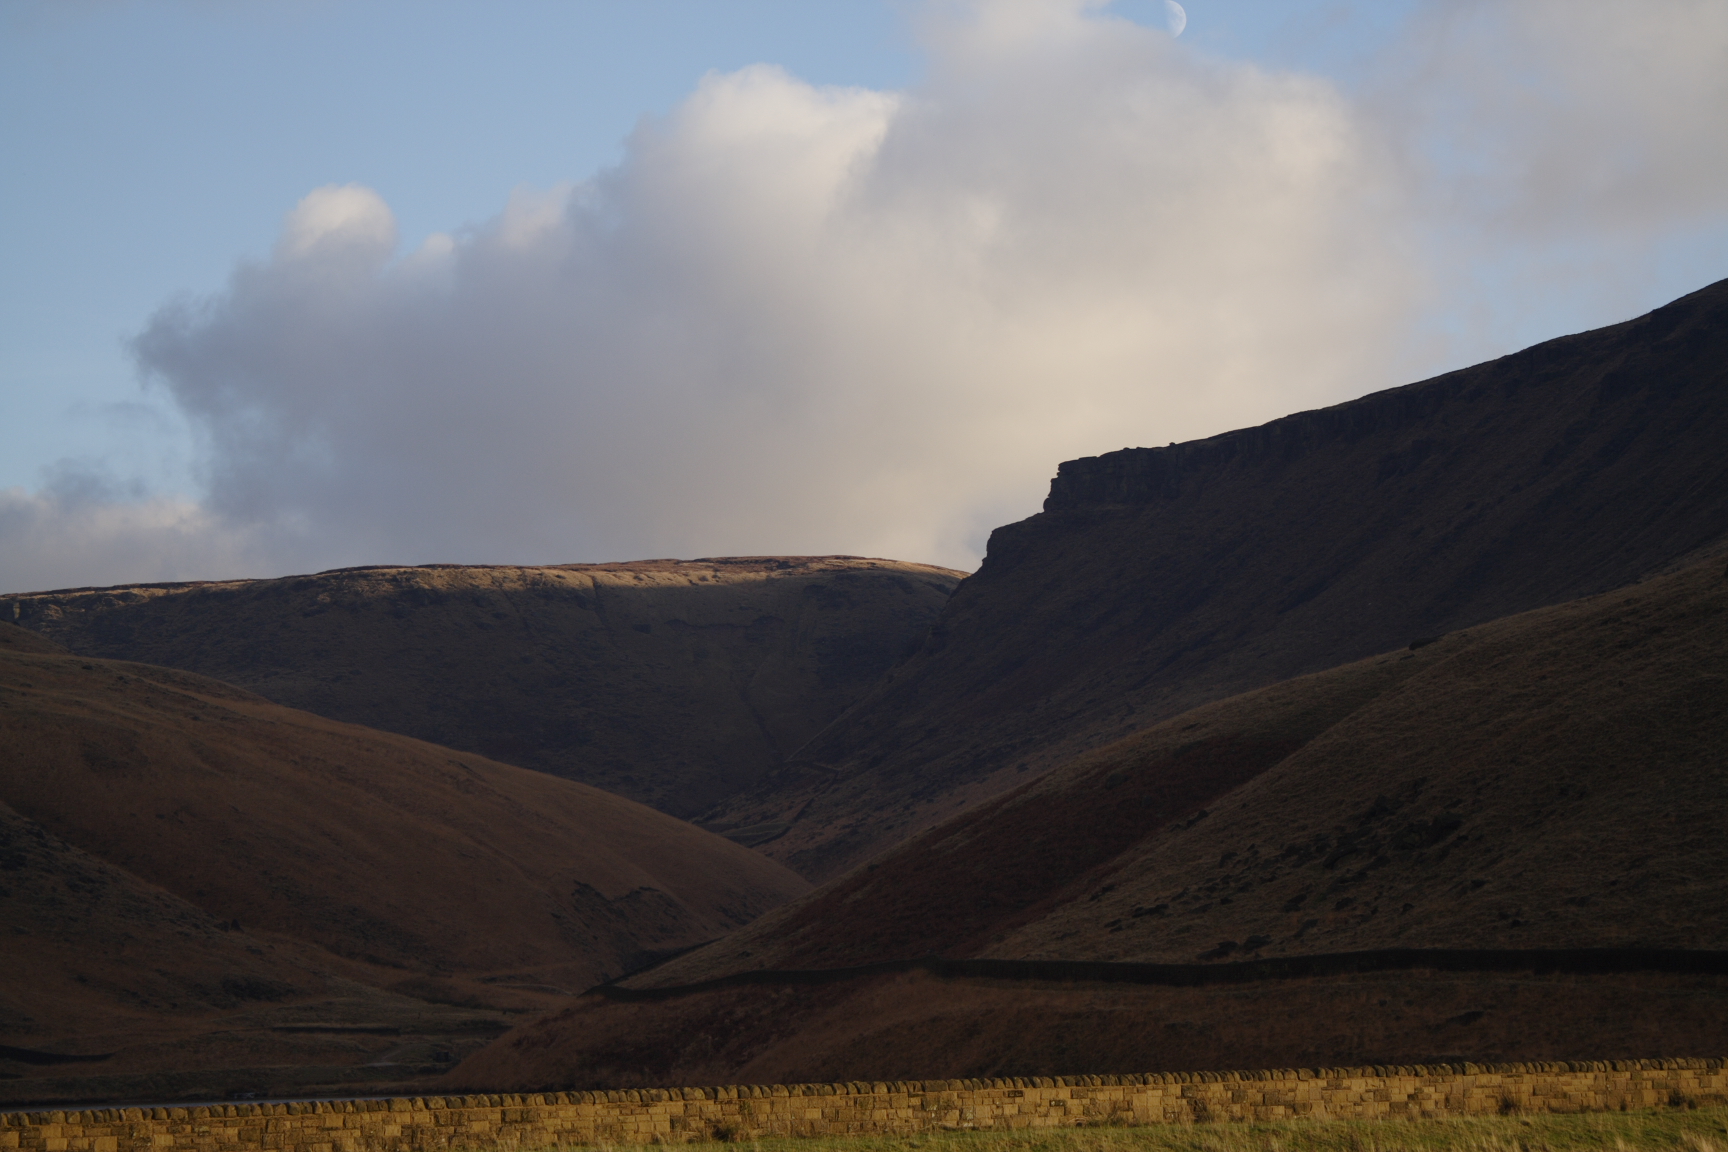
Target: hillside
<point x="675" y="683"/>
<point x="112" y="988"/>
<point x="1158" y="579"/>
<point x="178" y="856"/>
<point x="1555" y="780"/>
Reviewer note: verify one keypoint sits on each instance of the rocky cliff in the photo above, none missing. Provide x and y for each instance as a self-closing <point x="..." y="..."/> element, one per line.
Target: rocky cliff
<point x="1157" y="579"/>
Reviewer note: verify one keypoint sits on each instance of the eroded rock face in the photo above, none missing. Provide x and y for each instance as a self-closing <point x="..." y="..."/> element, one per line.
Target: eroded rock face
<point x="676" y="683"/>
<point x="1158" y="579"/>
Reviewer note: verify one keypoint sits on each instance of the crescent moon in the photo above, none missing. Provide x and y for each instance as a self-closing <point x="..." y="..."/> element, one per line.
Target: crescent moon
<point x="1175" y="16"/>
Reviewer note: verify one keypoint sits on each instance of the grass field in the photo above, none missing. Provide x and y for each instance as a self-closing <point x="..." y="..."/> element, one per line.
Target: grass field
<point x="1703" y="1130"/>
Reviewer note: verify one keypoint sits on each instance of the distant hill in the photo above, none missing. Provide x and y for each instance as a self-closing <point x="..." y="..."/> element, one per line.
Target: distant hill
<point x="1157" y="579"/>
<point x="675" y="683"/>
<point x="1556" y="780"/>
<point x="184" y="864"/>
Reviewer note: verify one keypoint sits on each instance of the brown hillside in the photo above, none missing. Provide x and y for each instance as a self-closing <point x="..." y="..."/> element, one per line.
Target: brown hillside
<point x="371" y="845"/>
<point x="177" y="850"/>
<point x="675" y="683"/>
<point x="78" y="927"/>
<point x="115" y="989"/>
<point x="1157" y="579"/>
<point x="1557" y="779"/>
<point x="914" y="1026"/>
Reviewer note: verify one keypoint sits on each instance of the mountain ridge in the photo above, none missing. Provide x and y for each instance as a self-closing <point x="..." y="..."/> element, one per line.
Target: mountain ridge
<point x="671" y="682"/>
<point x="1160" y="578"/>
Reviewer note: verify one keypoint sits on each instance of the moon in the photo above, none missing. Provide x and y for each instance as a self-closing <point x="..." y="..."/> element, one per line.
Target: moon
<point x="1175" y="16"/>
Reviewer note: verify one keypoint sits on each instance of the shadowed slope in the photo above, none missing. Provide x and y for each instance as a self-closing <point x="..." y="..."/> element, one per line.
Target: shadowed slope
<point x="1157" y="579"/>
<point x="1574" y="759"/>
<point x="113" y="988"/>
<point x="208" y="889"/>
<point x="915" y="1026"/>
<point x="85" y="940"/>
<point x="372" y="845"/>
<point x="675" y="683"/>
<point x="1557" y="779"/>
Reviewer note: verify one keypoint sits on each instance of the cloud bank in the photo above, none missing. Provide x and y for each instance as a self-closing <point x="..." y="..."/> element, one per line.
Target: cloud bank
<point x="808" y="320"/>
<point x="57" y="539"/>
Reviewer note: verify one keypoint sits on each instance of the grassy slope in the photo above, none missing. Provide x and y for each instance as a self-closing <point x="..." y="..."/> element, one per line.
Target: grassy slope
<point x="1557" y="779"/>
<point x="1553" y="779"/>
<point x="1574" y="758"/>
<point x="177" y="1003"/>
<point x="372" y="845"/>
<point x="675" y="683"/>
<point x="177" y="849"/>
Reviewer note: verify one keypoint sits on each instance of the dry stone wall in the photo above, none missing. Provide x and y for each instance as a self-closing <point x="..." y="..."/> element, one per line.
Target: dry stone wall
<point x="678" y="1115"/>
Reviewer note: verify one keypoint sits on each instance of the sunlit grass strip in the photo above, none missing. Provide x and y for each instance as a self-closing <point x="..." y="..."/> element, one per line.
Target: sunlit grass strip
<point x="1666" y="1130"/>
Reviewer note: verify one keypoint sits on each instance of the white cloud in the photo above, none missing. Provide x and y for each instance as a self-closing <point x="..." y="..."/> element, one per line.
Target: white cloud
<point x="1568" y="156"/>
<point x="337" y="224"/>
<point x="801" y="319"/>
<point x="66" y="539"/>
<point x="1559" y="115"/>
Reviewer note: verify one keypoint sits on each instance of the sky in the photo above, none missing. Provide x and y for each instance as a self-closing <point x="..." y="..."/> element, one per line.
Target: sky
<point x="294" y="284"/>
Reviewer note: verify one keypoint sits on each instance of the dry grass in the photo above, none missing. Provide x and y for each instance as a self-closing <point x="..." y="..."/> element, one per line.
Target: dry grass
<point x="1704" y="1130"/>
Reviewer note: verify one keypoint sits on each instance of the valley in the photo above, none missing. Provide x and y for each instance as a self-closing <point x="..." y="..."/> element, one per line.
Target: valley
<point x="1550" y="781"/>
<point x="675" y="683"/>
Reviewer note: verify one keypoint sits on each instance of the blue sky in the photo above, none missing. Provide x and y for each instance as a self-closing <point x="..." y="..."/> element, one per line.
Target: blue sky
<point x="154" y="143"/>
<point x="152" y="147"/>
